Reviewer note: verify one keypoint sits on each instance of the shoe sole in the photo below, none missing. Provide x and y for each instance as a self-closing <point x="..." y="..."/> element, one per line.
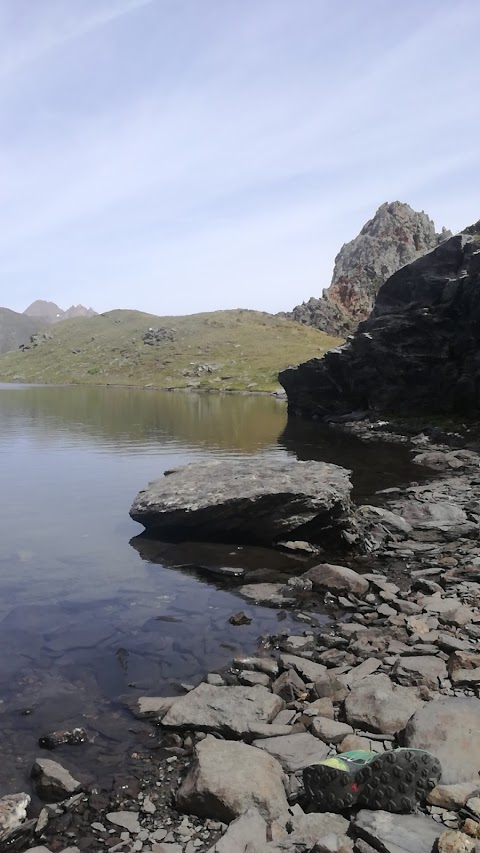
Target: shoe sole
<point x="393" y="782"/>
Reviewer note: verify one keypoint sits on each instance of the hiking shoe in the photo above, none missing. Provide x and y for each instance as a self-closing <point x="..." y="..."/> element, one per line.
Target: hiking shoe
<point x="394" y="781"/>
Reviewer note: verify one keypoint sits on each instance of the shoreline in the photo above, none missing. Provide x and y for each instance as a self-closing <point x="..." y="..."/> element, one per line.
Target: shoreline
<point x="148" y="387"/>
<point x="383" y="636"/>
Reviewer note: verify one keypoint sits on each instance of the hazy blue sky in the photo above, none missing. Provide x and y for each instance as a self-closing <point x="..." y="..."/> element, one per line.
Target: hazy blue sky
<point x="186" y="155"/>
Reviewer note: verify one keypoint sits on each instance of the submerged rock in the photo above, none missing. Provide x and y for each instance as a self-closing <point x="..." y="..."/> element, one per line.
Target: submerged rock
<point x="255" y="500"/>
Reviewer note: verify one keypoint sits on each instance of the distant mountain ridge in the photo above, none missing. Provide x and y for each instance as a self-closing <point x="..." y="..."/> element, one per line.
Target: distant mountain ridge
<point x="394" y="237"/>
<point x="49" y="312"/>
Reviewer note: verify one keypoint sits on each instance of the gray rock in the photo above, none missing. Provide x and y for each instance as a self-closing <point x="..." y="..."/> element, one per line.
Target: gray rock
<point x="248" y="828"/>
<point x="307" y="669"/>
<point x="267" y="665"/>
<point x="330" y="686"/>
<point x="464" y="668"/>
<point x="13" y="811"/>
<point x="127" y="820"/>
<point x="328" y="578"/>
<point x="367" y="667"/>
<point x="256" y="500"/>
<point x="294" y="751"/>
<point x="52" y="781"/>
<point x="251" y="679"/>
<point x="310" y="829"/>
<point x="405" y="357"/>
<point x="330" y="731"/>
<point x="427" y="669"/>
<point x="153" y="707"/>
<point x="395" y="236"/>
<point x="453" y="796"/>
<point x="380" y="706"/>
<point x="226" y="710"/>
<point x="392" y="833"/>
<point x="450" y="729"/>
<point x="228" y="777"/>
<point x="289" y="686"/>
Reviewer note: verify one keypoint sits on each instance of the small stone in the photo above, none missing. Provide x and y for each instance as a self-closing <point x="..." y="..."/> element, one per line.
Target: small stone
<point x="453" y="841"/>
<point x="129" y="820"/>
<point x="329" y="730"/>
<point x="13" y="811"/>
<point x="240" y="618"/>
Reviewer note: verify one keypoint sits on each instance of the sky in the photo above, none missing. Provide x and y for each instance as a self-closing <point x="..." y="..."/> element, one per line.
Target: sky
<point x="177" y="156"/>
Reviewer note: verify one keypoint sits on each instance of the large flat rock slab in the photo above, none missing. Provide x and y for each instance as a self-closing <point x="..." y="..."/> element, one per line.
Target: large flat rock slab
<point x="294" y="752"/>
<point x="378" y="705"/>
<point x="253" y="500"/>
<point x="397" y="833"/>
<point x="231" y="711"/>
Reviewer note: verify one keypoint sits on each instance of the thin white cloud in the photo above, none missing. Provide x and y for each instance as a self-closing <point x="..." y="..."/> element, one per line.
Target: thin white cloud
<point x="226" y="155"/>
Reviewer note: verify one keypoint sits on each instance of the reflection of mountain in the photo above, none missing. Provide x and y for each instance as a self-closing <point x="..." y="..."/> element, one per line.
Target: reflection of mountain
<point x="113" y="415"/>
<point x="375" y="465"/>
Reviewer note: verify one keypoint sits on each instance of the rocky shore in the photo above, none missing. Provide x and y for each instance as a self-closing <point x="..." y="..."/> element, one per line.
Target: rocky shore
<point x="398" y="664"/>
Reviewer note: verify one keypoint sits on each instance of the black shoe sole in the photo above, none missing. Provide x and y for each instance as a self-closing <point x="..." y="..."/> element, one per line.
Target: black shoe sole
<point x="397" y="781"/>
<point x="394" y="782"/>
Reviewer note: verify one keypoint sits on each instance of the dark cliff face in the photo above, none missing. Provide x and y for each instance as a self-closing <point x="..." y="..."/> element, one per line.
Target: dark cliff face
<point x="418" y="352"/>
<point x="394" y="237"/>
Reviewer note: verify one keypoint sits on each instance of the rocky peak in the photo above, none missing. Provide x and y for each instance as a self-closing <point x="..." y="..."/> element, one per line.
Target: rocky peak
<point x="49" y="312"/>
<point x="416" y="353"/>
<point x="394" y="237"/>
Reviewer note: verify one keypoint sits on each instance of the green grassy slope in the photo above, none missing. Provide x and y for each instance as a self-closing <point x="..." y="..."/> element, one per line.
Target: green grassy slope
<point x="224" y="350"/>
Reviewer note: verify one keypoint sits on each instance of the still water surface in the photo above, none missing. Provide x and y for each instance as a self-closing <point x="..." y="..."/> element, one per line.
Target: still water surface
<point x="86" y="619"/>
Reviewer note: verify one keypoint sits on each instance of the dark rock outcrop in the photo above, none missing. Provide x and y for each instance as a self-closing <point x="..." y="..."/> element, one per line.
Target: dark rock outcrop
<point x="256" y="500"/>
<point x="394" y="237"/>
<point x="418" y="352"/>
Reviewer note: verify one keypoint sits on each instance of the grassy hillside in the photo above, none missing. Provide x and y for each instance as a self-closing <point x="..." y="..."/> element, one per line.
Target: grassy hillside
<point x="15" y="329"/>
<point x="225" y="350"/>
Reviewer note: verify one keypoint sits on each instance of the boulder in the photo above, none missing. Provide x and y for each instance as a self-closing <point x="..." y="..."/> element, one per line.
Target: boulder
<point x="397" y="833"/>
<point x="310" y="829"/>
<point x="378" y="705"/>
<point x="453" y="796"/>
<point x="307" y="669"/>
<point x="294" y="752"/>
<point x="464" y="668"/>
<point x="230" y="711"/>
<point x="450" y="729"/>
<point x="328" y="578"/>
<point x="421" y="669"/>
<point x="13" y="811"/>
<point x="228" y="777"/>
<point x="52" y="781"/>
<point x="252" y="500"/>
<point x="330" y="731"/>
<point x="416" y="352"/>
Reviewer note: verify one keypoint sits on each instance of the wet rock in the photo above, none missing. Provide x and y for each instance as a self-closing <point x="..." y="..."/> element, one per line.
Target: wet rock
<point x="453" y="796"/>
<point x="464" y="668"/>
<point x="455" y="842"/>
<point x="267" y="593"/>
<point x="267" y="665"/>
<point x="13" y="811"/>
<point x="240" y="618"/>
<point x="248" y="828"/>
<point x="60" y="738"/>
<point x="52" y="781"/>
<point x="328" y="578"/>
<point x="427" y="669"/>
<point x="153" y="707"/>
<point x="294" y="751"/>
<point x="380" y="706"/>
<point x="226" y="710"/>
<point x="229" y="777"/>
<point x="330" y="731"/>
<point x="257" y="500"/>
<point x="250" y="679"/>
<point x="450" y="729"/>
<point x="392" y="833"/>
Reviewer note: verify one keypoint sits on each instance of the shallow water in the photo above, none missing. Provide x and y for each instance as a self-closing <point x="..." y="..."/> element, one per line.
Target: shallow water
<point x="88" y="617"/>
